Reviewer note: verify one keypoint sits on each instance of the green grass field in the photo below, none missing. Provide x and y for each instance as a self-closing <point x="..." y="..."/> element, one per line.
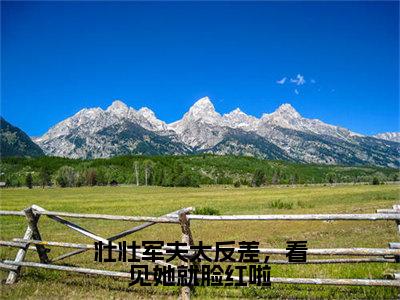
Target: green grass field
<point x="156" y="201"/>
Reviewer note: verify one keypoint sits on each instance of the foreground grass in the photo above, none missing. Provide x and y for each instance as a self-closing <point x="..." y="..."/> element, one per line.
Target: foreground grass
<point x="155" y="201"/>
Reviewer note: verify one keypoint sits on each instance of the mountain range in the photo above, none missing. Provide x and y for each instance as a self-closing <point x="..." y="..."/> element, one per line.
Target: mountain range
<point x="283" y="134"/>
<point x="15" y="142"/>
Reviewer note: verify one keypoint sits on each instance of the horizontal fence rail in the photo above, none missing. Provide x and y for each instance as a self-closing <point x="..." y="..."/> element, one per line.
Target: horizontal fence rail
<point x="12" y="213"/>
<point x="391" y="215"/>
<point x="110" y="217"/>
<point x="327" y="251"/>
<point x="171" y="219"/>
<point x="18" y="243"/>
<point x="308" y="217"/>
<point x="314" y="281"/>
<point x="32" y="241"/>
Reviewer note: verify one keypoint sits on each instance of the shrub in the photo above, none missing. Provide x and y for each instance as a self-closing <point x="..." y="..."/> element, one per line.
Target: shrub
<point x="207" y="210"/>
<point x="45" y="177"/>
<point x="395" y="177"/>
<point x="278" y="204"/>
<point x="259" y="178"/>
<point x="303" y="204"/>
<point x="375" y="181"/>
<point x="91" y="177"/>
<point x="66" y="177"/>
<point x="186" y="180"/>
<point x="236" y="184"/>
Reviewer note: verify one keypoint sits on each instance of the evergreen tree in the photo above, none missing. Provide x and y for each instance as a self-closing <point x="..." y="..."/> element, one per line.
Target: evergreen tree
<point x="44" y="176"/>
<point x="259" y="178"/>
<point x="29" y="180"/>
<point x="395" y="177"/>
<point x="90" y="177"/>
<point x="330" y="177"/>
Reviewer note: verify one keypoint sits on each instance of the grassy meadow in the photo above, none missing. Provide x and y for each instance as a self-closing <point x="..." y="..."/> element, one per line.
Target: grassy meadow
<point x="156" y="201"/>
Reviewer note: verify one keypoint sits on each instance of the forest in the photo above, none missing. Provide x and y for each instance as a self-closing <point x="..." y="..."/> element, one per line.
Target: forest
<point x="171" y="171"/>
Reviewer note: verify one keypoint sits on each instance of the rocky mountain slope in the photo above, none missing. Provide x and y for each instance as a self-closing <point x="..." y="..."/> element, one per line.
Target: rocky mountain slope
<point x="97" y="133"/>
<point x="283" y="134"/>
<point x="15" y="142"/>
<point x="389" y="136"/>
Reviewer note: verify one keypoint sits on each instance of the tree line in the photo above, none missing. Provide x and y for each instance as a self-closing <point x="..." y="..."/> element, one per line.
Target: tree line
<point x="180" y="171"/>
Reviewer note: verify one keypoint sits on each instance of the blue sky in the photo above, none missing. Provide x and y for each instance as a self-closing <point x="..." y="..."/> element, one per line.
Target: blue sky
<point x="59" y="57"/>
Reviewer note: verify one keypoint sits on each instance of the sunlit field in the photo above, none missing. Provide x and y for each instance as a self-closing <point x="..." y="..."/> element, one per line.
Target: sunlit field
<point x="157" y="201"/>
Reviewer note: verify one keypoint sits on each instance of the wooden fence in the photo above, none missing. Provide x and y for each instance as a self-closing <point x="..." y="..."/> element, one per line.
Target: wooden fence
<point x="32" y="240"/>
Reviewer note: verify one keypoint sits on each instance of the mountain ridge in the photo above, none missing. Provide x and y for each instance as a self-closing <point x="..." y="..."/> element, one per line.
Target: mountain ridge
<point x="283" y="134"/>
<point x="15" y="142"/>
<point x="389" y="136"/>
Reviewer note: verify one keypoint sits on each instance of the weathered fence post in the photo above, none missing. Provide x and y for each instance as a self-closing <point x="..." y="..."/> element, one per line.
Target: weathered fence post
<point x="397" y="208"/>
<point x="13" y="275"/>
<point x="33" y="224"/>
<point x="32" y="232"/>
<point x="188" y="239"/>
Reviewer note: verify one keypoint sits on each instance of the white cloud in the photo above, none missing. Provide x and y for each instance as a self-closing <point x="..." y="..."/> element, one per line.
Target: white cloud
<point x="299" y="80"/>
<point x="313" y="81"/>
<point x="296" y="91"/>
<point x="282" y="81"/>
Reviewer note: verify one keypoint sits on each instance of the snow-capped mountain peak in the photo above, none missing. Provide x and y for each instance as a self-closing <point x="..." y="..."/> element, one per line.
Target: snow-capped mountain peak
<point x="203" y="108"/>
<point x="118" y="108"/>
<point x="196" y="124"/>
<point x="88" y="112"/>
<point x="238" y="119"/>
<point x="284" y="116"/>
<point x="147" y="113"/>
<point x="150" y="117"/>
<point x="204" y="102"/>
<point x="286" y="110"/>
<point x="235" y="112"/>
